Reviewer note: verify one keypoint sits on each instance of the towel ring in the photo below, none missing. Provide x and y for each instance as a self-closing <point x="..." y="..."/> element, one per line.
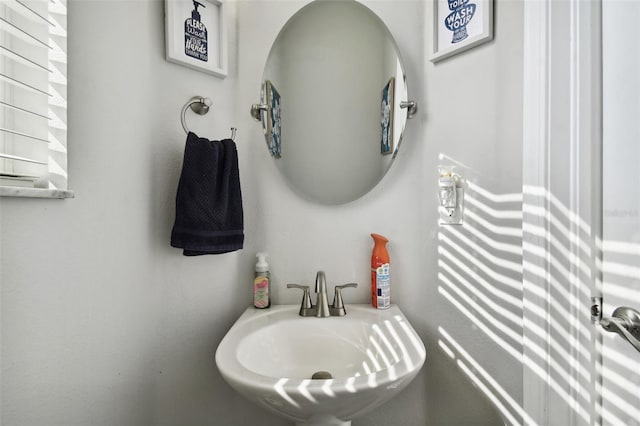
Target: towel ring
<point x="200" y="106"/>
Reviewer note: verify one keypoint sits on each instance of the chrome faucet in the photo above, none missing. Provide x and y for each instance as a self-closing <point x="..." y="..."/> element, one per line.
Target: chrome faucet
<point x="321" y="309"/>
<point x="322" y="305"/>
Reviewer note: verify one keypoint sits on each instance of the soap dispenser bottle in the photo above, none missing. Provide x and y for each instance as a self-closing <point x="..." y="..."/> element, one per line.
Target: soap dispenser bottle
<point x="380" y="278"/>
<point x="262" y="283"/>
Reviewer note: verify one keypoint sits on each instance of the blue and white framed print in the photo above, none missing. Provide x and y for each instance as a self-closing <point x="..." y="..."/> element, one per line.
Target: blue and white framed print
<point x="459" y="25"/>
<point x="274" y="124"/>
<point x="386" y="117"/>
<point x="196" y="35"/>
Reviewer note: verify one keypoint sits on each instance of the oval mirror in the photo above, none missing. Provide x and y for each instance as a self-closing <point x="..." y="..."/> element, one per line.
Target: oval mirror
<point x="334" y="101"/>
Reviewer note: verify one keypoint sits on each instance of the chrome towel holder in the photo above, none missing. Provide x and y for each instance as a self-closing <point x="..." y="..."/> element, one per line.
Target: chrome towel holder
<point x="200" y="106"/>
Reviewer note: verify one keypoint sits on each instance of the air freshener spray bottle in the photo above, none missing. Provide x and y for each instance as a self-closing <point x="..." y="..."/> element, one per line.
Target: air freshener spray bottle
<point x="380" y="278"/>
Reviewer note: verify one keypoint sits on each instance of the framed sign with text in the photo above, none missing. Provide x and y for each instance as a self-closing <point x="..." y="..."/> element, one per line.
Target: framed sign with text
<point x="459" y="25"/>
<point x="386" y="117"/>
<point x="274" y="123"/>
<point x="195" y="33"/>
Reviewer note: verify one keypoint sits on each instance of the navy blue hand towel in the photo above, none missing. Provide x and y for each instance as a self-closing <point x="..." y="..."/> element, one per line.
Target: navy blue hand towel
<point x="209" y="202"/>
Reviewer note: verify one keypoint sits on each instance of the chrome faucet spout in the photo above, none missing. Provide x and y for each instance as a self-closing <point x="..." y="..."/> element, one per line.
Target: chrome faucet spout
<point x="322" y="309"/>
<point x="322" y="304"/>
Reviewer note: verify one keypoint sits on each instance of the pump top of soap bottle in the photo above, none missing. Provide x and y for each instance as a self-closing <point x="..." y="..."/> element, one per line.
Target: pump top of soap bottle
<point x="261" y="264"/>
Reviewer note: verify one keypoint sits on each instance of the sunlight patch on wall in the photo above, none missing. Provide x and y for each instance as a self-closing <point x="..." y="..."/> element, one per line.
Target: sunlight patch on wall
<point x="510" y="408"/>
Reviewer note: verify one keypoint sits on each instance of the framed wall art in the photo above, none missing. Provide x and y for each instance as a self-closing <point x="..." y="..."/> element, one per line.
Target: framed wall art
<point x="386" y="117"/>
<point x="196" y="35"/>
<point x="459" y="25"/>
<point x="274" y="124"/>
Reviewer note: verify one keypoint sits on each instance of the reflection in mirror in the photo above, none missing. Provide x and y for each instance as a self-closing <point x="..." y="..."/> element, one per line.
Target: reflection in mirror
<point x="333" y="85"/>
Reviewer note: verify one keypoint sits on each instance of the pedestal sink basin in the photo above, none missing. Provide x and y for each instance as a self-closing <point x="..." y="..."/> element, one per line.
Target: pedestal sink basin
<point x="320" y="371"/>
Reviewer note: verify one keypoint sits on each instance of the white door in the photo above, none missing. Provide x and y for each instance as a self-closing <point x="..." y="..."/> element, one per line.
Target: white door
<point x="620" y="392"/>
<point x="581" y="193"/>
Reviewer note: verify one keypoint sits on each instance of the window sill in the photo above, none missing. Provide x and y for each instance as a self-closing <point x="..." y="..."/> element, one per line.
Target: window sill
<point x="10" y="191"/>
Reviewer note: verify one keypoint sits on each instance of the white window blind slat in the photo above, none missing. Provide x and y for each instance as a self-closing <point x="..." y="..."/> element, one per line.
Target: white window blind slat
<point x="30" y="121"/>
<point x="20" y="163"/>
<point x="37" y="7"/>
<point x="25" y="121"/>
<point x="23" y="97"/>
<point x="24" y="145"/>
<point x="14" y="107"/>
<point x="25" y="53"/>
<point x="28" y="137"/>
<point x="33" y="91"/>
<point x="21" y="73"/>
<point x="9" y="84"/>
<point x="23" y="159"/>
<point x="10" y="28"/>
<point x="24" y="19"/>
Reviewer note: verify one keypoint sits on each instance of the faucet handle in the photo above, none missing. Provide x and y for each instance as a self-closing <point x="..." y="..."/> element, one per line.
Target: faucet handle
<point x="337" y="308"/>
<point x="306" y="305"/>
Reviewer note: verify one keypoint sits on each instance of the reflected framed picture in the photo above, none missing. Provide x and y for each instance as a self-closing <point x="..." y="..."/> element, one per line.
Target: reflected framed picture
<point x="459" y="25"/>
<point x="274" y="125"/>
<point x="196" y="35"/>
<point x="386" y="117"/>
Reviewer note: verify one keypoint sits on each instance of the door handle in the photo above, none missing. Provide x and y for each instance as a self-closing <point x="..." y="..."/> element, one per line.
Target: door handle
<point x="626" y="322"/>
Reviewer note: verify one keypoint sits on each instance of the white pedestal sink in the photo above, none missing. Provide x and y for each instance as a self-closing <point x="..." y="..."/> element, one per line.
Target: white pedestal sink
<point x="270" y="356"/>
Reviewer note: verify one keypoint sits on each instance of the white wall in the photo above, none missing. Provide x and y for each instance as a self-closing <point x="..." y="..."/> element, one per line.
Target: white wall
<point x="104" y="324"/>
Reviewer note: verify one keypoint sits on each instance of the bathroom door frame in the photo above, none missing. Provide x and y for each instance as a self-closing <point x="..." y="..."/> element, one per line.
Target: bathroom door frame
<point x="562" y="210"/>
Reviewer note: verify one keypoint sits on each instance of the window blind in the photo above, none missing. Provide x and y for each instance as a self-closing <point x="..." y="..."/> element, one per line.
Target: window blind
<point x="33" y="93"/>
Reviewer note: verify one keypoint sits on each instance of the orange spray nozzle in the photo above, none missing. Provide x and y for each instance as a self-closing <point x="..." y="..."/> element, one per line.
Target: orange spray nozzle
<point x="379" y="238"/>
<point x="380" y="254"/>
